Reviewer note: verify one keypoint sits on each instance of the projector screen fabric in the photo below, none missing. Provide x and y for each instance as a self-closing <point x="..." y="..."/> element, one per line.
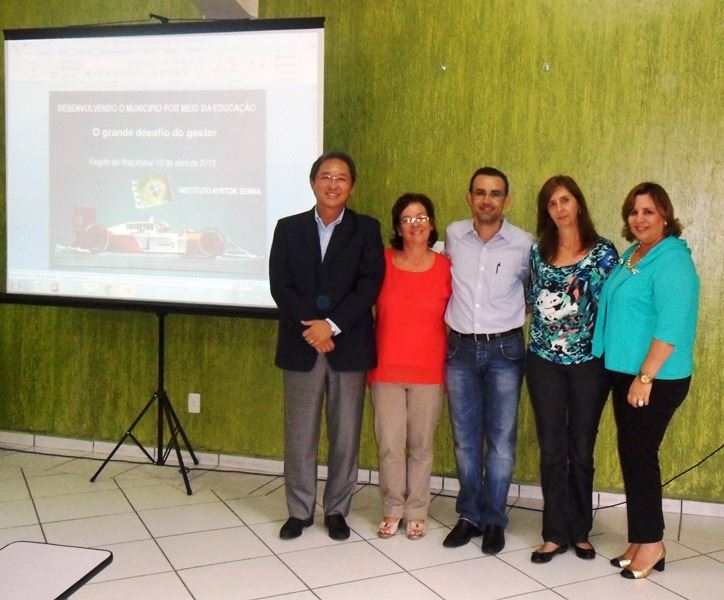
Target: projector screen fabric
<point x="149" y="164"/>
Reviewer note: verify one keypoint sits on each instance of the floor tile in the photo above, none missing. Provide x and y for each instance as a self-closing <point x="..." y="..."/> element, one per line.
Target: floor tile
<point x="97" y="531"/>
<point x="188" y="519"/>
<point x="17" y="513"/>
<point x="563" y="569"/>
<point x="367" y="496"/>
<point x="442" y="508"/>
<point x="523" y="529"/>
<point x="211" y="547"/>
<point x="32" y="463"/>
<point x="134" y="559"/>
<point x="389" y="587"/>
<point x="57" y="484"/>
<point x="314" y="536"/>
<point x="13" y="489"/>
<point x="483" y="578"/>
<point x="542" y="595"/>
<point x="228" y="486"/>
<point x="615" y="586"/>
<point x="339" y="563"/>
<point x="25" y="533"/>
<point x="223" y="541"/>
<point x="698" y="578"/>
<point x="166" y="586"/>
<point x="425" y="552"/>
<point x="266" y="508"/>
<point x="239" y="580"/>
<point x="705" y="534"/>
<point x="87" y="468"/>
<point x="163" y="494"/>
<point x="8" y="473"/>
<point x="613" y="520"/>
<point x="77" y="506"/>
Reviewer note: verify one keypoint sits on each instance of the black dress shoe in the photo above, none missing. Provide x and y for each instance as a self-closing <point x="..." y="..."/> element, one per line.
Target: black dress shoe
<point x="493" y="539"/>
<point x="337" y="526"/>
<point x="293" y="528"/>
<point x="585" y="553"/>
<point x="545" y="557"/>
<point x="461" y="534"/>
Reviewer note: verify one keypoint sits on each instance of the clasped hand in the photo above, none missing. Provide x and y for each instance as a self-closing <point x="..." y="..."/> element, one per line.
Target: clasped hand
<point x="318" y="334"/>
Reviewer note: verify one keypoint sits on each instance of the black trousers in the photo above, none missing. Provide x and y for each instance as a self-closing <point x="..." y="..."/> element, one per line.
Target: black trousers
<point x="640" y="432"/>
<point x="567" y="402"/>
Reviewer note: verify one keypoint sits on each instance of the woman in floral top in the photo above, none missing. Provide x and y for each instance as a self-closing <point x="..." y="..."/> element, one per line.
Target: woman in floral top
<point x="567" y="384"/>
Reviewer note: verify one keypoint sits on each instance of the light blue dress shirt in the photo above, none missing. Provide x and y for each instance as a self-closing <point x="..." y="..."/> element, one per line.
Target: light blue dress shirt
<point x="325" y="234"/>
<point x="488" y="278"/>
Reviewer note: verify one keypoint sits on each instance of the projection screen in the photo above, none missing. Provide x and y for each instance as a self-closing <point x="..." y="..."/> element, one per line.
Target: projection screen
<point x="149" y="164"/>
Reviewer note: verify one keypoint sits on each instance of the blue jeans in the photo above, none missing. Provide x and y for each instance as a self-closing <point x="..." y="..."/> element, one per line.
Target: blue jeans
<point x="484" y="380"/>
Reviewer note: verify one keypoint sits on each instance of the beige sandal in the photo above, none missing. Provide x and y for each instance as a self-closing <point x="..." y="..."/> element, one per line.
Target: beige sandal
<point x="388" y="527"/>
<point x="416" y="528"/>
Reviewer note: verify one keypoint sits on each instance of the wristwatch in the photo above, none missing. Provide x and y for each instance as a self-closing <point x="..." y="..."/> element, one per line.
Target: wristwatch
<point x="645" y="378"/>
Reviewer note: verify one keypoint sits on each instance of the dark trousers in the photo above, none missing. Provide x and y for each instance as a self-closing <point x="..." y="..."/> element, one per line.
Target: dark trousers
<point x="640" y="432"/>
<point x="567" y="402"/>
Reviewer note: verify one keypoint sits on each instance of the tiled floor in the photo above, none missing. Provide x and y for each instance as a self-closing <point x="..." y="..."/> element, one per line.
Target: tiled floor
<point x="222" y="542"/>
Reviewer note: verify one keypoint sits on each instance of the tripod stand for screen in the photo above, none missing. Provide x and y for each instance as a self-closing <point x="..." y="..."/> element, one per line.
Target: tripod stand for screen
<point x="164" y="411"/>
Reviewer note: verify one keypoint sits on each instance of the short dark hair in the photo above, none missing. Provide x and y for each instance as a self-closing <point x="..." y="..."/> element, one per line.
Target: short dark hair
<point x="334" y="154"/>
<point x="490" y="172"/>
<point x="545" y="227"/>
<point x="662" y="201"/>
<point x="401" y="204"/>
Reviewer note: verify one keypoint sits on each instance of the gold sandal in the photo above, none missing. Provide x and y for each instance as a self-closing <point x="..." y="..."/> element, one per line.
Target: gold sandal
<point x="416" y="528"/>
<point x="388" y="527"/>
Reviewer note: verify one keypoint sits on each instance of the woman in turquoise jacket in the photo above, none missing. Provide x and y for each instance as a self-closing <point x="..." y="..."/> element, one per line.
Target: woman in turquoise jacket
<point x="645" y="333"/>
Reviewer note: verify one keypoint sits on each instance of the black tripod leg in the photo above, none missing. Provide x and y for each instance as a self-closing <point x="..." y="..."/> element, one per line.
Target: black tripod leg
<point x="180" y="429"/>
<point x="123" y="439"/>
<point x="173" y="442"/>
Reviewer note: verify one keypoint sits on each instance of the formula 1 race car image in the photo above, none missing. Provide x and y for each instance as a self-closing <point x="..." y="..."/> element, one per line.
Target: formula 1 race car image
<point x="148" y="237"/>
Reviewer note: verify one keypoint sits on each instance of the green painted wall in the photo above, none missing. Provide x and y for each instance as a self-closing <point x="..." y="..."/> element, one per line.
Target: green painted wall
<point x="632" y="90"/>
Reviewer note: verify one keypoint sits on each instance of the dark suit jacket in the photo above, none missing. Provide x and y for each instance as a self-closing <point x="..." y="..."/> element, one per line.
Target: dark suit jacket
<point x="342" y="288"/>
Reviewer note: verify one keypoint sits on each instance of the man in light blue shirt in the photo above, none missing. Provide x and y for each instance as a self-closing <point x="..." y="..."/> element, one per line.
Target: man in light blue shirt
<point x="490" y="267"/>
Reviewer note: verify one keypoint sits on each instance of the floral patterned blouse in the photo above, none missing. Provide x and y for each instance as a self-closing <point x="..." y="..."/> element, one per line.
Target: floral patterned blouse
<point x="564" y="303"/>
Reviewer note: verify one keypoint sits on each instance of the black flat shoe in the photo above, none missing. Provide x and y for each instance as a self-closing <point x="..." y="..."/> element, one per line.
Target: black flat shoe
<point x="293" y="528"/>
<point x="546" y="557"/>
<point x="337" y="526"/>
<point x="461" y="534"/>
<point x="493" y="539"/>
<point x="585" y="553"/>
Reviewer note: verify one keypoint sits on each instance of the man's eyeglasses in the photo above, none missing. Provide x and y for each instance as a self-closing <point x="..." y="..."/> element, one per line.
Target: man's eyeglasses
<point x="411" y="220"/>
<point x="332" y="178"/>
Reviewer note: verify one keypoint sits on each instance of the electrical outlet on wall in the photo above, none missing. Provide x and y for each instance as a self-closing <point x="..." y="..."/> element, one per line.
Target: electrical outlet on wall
<point x="194" y="402"/>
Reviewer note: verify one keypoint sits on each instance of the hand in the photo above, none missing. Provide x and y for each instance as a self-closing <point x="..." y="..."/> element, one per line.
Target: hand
<point x="638" y="393"/>
<point x="317" y="334"/>
<point x="324" y="347"/>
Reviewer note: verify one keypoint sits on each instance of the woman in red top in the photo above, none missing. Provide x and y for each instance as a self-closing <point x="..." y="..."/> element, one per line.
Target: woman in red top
<point x="407" y="385"/>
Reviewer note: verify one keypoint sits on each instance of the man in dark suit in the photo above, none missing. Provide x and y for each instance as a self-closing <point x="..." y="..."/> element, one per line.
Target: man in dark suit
<point x="325" y="267"/>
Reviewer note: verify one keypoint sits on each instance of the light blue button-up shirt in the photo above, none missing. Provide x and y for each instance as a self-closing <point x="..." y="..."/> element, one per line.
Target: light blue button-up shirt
<point x="488" y="278"/>
<point x="325" y="234"/>
<point x="326" y="231"/>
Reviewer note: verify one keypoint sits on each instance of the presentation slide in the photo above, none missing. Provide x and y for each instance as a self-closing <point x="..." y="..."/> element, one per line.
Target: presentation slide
<point x="154" y="167"/>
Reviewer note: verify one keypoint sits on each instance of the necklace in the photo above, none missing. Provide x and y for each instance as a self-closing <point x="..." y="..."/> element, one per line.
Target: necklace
<point x="627" y="264"/>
